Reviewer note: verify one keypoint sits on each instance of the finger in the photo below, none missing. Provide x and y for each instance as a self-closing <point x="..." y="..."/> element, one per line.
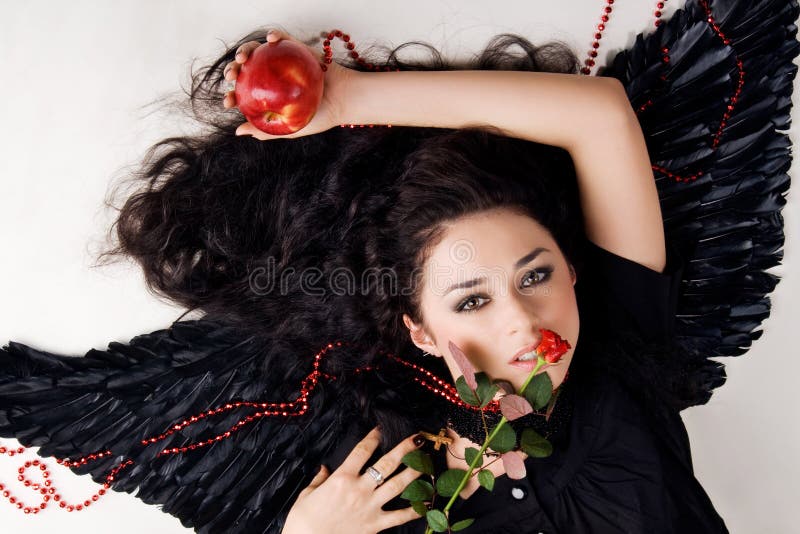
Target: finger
<point x="395" y="485"/>
<point x="390" y="461"/>
<point x="361" y="453"/>
<point x="320" y="477"/>
<point x="231" y="71"/>
<point x="244" y="51"/>
<point x="230" y="99"/>
<point x="396" y="518"/>
<point x="274" y="36"/>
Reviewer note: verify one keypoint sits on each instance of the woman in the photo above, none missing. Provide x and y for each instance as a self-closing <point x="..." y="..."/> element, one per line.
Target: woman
<point x="220" y="219"/>
<point x="463" y="209"/>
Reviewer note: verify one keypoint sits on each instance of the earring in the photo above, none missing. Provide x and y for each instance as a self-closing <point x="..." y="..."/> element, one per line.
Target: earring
<point x="426" y="353"/>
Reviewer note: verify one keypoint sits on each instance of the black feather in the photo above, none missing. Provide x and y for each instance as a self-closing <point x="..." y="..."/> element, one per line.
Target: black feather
<point x="727" y="222"/>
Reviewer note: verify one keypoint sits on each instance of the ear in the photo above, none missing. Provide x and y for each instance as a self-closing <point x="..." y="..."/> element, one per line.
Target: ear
<point x="419" y="337"/>
<point x="573" y="274"/>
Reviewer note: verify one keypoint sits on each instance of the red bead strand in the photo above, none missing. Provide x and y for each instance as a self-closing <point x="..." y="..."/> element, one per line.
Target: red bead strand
<point x="728" y="109"/>
<point x="349" y="45"/>
<point x="45" y="488"/>
<point x="299" y="406"/>
<point x="590" y="62"/>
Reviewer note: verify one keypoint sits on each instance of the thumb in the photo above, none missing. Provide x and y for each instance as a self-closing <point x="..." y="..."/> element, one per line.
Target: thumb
<point x="246" y="128"/>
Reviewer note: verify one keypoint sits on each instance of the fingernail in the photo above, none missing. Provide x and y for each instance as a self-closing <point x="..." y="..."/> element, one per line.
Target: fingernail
<point x="419" y="439"/>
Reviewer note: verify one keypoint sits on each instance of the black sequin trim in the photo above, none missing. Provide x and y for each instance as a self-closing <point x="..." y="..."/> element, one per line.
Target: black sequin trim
<point x="468" y="423"/>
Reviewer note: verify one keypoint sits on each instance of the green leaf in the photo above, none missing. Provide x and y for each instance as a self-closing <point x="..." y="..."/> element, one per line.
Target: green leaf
<point x="420" y="508"/>
<point x="533" y="444"/>
<point x="486" y="389"/>
<point x="539" y="391"/>
<point x="505" y="439"/>
<point x="436" y="520"/>
<point x="419" y="460"/>
<point x="470" y="453"/>
<point x="461" y="525"/>
<point x="418" y="490"/>
<point x="466" y="394"/>
<point x="486" y="479"/>
<point x="448" y="481"/>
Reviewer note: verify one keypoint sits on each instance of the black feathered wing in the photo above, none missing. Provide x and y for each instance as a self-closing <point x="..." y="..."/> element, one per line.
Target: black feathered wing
<point x="719" y="161"/>
<point x="727" y="222"/>
<point x="112" y="400"/>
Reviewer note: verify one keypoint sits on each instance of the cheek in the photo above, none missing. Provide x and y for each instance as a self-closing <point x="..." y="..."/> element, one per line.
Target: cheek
<point x="445" y="325"/>
<point x="568" y="315"/>
<point x="559" y="309"/>
<point x="568" y="320"/>
<point x="472" y="336"/>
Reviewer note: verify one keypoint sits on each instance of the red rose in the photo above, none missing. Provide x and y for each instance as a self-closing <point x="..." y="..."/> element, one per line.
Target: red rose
<point x="552" y="347"/>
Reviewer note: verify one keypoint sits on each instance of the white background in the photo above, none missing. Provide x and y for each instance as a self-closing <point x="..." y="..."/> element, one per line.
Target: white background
<point x="75" y="77"/>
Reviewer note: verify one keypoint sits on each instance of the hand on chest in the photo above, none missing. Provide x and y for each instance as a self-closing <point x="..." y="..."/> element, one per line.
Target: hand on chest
<point x="456" y="460"/>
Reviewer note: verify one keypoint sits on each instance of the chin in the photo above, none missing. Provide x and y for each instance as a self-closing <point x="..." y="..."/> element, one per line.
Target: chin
<point x="556" y="372"/>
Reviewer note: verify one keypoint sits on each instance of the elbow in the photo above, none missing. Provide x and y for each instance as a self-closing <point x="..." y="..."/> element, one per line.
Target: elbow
<point x="615" y="100"/>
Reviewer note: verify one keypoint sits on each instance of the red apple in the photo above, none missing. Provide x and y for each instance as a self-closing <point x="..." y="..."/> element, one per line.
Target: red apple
<point x="279" y="87"/>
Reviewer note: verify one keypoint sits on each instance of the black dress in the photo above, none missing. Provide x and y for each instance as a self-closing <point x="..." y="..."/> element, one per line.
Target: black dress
<point x="616" y="466"/>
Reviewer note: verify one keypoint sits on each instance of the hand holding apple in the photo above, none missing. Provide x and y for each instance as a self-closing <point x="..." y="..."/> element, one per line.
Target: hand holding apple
<point x="277" y="105"/>
<point x="280" y="86"/>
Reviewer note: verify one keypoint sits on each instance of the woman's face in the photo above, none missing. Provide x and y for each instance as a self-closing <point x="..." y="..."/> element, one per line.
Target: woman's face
<point x="525" y="284"/>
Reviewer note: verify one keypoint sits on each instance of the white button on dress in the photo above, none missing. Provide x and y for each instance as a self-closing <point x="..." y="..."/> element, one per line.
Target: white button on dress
<point x="518" y="493"/>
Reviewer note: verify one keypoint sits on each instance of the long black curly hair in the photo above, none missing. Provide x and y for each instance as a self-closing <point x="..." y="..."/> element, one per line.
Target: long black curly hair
<point x="307" y="240"/>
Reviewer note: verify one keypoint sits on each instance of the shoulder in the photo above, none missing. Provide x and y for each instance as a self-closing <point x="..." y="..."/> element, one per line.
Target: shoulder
<point x="620" y="409"/>
<point x="620" y="292"/>
<point x="609" y="402"/>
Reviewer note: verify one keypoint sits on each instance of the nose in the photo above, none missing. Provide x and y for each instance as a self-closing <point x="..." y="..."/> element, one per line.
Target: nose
<point x="521" y="318"/>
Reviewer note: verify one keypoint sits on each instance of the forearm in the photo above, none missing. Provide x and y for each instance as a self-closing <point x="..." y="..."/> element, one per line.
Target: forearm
<point x="552" y="108"/>
<point x="588" y="116"/>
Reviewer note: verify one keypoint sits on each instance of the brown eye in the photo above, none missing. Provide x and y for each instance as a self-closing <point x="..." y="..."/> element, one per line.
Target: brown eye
<point x="543" y="275"/>
<point x="463" y="306"/>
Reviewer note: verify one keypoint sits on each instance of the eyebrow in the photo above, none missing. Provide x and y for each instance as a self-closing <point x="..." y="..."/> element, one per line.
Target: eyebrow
<point x="527" y="258"/>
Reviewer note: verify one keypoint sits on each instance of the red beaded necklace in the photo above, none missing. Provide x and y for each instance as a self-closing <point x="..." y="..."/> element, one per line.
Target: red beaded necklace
<point x="300" y="405"/>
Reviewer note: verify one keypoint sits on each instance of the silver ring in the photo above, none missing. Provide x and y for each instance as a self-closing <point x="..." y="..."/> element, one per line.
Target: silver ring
<point x="374" y="473"/>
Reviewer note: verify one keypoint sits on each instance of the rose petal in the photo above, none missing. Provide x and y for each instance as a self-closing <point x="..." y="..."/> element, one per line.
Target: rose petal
<point x="552" y="347"/>
<point x="515" y="406"/>
<point x="514" y="465"/>
<point x="464" y="365"/>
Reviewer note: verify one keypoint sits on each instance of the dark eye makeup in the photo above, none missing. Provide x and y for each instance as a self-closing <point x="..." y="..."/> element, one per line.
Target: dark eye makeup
<point x="544" y="273"/>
